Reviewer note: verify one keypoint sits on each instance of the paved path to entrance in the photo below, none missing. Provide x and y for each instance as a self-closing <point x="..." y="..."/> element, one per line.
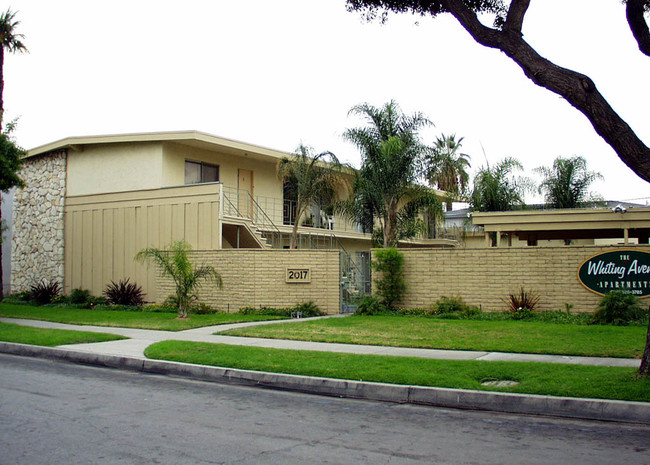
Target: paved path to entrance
<point x="140" y="339"/>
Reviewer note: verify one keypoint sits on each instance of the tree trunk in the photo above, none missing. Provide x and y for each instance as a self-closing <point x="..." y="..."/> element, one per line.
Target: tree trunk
<point x="644" y="369"/>
<point x="578" y="89"/>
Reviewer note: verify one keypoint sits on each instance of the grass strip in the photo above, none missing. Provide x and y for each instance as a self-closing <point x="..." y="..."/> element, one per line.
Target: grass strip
<point x="50" y="337"/>
<point x="124" y="319"/>
<point x="491" y="336"/>
<point x="534" y="378"/>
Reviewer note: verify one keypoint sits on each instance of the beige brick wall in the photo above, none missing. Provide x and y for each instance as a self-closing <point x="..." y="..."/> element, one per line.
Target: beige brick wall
<point x="255" y="277"/>
<point x="484" y="277"/>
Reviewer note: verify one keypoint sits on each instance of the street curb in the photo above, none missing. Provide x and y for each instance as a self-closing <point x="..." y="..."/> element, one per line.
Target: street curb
<point x="568" y="407"/>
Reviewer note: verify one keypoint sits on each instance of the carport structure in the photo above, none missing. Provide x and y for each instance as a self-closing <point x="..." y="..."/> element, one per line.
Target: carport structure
<point x="565" y="224"/>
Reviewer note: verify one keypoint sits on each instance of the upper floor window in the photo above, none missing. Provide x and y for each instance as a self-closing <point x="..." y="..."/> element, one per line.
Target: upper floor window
<point x="197" y="172"/>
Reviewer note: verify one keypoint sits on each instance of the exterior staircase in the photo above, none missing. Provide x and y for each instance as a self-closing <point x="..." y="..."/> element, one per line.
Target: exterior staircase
<point x="255" y="223"/>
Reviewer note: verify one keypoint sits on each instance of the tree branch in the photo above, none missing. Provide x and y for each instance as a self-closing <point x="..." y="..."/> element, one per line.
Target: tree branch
<point x="578" y="89"/>
<point x="634" y="11"/>
<point x="516" y="13"/>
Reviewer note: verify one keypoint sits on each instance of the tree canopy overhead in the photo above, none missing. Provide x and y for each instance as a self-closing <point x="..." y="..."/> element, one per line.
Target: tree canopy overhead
<point x="506" y="35"/>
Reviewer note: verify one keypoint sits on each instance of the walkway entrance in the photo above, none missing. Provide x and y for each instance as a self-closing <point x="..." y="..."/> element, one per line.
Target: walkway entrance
<point x="355" y="277"/>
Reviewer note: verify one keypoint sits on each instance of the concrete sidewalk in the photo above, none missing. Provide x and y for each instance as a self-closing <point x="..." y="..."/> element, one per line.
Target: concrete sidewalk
<point x="140" y="339"/>
<point x="128" y="355"/>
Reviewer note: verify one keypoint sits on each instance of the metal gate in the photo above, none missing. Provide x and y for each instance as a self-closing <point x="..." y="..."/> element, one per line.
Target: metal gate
<point x="356" y="279"/>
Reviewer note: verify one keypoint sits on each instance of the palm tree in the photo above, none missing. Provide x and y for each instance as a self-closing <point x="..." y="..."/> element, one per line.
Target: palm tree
<point x="11" y="42"/>
<point x="174" y="262"/>
<point x="313" y="179"/>
<point x="447" y="167"/>
<point x="496" y="189"/>
<point x="386" y="186"/>
<point x="566" y="183"/>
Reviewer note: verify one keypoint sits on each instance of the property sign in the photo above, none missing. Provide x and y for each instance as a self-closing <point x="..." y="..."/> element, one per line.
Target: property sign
<point x="298" y="275"/>
<point x="619" y="270"/>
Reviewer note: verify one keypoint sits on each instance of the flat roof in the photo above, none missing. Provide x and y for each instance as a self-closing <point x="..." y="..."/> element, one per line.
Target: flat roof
<point x="567" y="223"/>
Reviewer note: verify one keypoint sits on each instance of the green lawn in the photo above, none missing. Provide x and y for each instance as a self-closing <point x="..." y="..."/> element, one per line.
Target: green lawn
<point x="533" y="378"/>
<point x="143" y="320"/>
<point x="50" y="337"/>
<point x="498" y="336"/>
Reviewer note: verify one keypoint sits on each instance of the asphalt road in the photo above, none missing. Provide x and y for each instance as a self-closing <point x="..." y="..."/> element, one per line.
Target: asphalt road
<point x="60" y="413"/>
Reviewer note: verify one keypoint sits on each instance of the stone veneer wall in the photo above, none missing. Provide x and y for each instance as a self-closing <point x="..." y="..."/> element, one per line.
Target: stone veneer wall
<point x="485" y="276"/>
<point x="256" y="277"/>
<point x="37" y="245"/>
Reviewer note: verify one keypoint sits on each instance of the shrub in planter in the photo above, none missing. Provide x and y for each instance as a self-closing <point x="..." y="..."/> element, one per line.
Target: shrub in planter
<point x="79" y="296"/>
<point x="450" y="305"/>
<point x="44" y="292"/>
<point x="618" y="308"/>
<point x="124" y="293"/>
<point x="522" y="301"/>
<point x="370" y="305"/>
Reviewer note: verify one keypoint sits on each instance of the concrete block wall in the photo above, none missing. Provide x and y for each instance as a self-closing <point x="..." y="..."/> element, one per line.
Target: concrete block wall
<point x="256" y="277"/>
<point x="485" y="276"/>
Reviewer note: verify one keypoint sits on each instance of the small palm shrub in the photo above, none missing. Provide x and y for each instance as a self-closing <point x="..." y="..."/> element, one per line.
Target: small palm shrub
<point x="44" y="292"/>
<point x="522" y="301"/>
<point x="124" y="293"/>
<point x="174" y="262"/>
<point x="620" y="309"/>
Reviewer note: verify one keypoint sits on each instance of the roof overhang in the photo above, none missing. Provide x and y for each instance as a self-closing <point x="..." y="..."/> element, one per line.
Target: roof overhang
<point x="197" y="139"/>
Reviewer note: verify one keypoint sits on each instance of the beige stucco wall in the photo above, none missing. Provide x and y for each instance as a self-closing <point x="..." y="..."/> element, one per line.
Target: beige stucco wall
<point x="104" y="232"/>
<point x="264" y="177"/>
<point x="485" y="276"/>
<point x="254" y="278"/>
<point x="115" y="167"/>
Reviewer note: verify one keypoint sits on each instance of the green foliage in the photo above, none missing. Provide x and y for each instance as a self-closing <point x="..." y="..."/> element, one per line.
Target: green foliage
<point x="307" y="309"/>
<point x="124" y="293"/>
<point x="311" y="179"/>
<point x="174" y="262"/>
<point x="522" y="301"/>
<point x="619" y="309"/>
<point x="370" y="305"/>
<point x="390" y="285"/>
<point x="44" y="292"/>
<point x="451" y="305"/>
<point x="78" y="296"/>
<point x="566" y="183"/>
<point x="11" y="159"/>
<point x="447" y="168"/>
<point x="386" y="188"/>
<point x="496" y="189"/>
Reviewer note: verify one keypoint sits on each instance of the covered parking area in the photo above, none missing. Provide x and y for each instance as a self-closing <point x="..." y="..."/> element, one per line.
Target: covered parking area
<point x="631" y="225"/>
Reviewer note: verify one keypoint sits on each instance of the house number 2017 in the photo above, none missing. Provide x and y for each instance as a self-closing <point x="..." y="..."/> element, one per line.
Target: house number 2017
<point x="298" y="275"/>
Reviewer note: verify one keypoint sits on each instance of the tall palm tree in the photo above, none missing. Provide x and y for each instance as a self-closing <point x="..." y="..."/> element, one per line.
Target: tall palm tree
<point x="386" y="184"/>
<point x="447" y="167"/>
<point x="496" y="188"/>
<point x="313" y="179"/>
<point x="11" y="42"/>
<point x="174" y="262"/>
<point x="566" y="183"/>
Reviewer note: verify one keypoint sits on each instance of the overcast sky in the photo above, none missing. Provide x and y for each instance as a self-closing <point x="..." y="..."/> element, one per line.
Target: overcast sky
<point x="278" y="73"/>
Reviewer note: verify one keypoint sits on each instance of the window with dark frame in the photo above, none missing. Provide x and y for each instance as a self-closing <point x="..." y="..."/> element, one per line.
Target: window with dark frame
<point x="197" y="172"/>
